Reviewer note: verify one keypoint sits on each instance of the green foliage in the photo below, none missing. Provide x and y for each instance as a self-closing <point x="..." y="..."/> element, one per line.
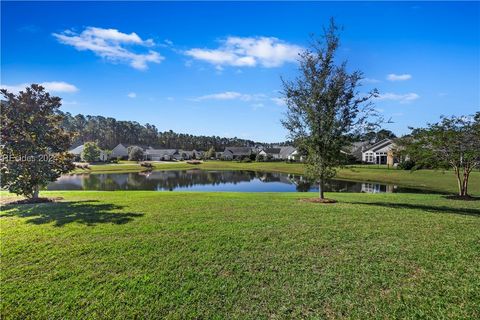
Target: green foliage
<point x="407" y="165"/>
<point x="259" y="157"/>
<point x="34" y="146"/>
<point x="90" y="152"/>
<point x="376" y="136"/>
<point x="135" y="154"/>
<point x="146" y="164"/>
<point x="324" y="107"/>
<point x="210" y="153"/>
<point x="454" y="142"/>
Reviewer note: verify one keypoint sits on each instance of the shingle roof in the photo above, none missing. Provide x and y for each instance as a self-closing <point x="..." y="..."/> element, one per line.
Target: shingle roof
<point x="272" y="150"/>
<point x="240" y="151"/>
<point x="161" y="152"/>
<point x="379" y="145"/>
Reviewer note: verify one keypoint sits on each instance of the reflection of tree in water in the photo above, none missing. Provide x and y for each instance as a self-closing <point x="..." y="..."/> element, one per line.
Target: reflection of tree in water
<point x="174" y="179"/>
<point x="165" y="180"/>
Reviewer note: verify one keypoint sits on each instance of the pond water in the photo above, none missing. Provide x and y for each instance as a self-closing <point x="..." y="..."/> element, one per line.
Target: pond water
<point x="203" y="180"/>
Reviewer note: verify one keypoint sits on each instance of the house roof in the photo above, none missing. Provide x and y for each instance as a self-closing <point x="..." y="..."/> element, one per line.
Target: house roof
<point x="379" y="145"/>
<point x="286" y="151"/>
<point x="272" y="150"/>
<point x="161" y="152"/>
<point x="77" y="151"/>
<point x="239" y="151"/>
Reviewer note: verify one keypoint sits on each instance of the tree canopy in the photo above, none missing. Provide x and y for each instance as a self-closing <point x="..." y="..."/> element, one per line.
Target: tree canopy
<point x="34" y="145"/>
<point x="453" y="142"/>
<point x="325" y="110"/>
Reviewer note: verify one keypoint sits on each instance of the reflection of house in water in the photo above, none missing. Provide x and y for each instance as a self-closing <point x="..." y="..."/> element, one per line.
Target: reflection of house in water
<point x="69" y="182"/>
<point x="377" y="188"/>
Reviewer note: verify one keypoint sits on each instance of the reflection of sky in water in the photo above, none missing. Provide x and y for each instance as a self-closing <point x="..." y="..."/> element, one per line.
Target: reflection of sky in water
<point x="202" y="180"/>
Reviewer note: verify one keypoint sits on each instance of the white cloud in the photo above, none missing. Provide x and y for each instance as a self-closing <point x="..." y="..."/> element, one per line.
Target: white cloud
<point x="132" y="95"/>
<point x="399" y="77"/>
<point x="256" y="106"/>
<point x="231" y="95"/>
<point x="370" y="80"/>
<point x="111" y="45"/>
<point x="279" y="101"/>
<point x="402" y="98"/>
<point x="53" y="86"/>
<point x="267" y="52"/>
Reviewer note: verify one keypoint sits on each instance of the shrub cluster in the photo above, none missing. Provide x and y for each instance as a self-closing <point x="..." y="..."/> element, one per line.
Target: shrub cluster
<point x="146" y="164"/>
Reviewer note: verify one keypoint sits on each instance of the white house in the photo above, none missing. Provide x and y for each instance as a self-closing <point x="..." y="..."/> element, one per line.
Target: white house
<point x="380" y="153"/>
<point x="120" y="151"/>
<point x="77" y="152"/>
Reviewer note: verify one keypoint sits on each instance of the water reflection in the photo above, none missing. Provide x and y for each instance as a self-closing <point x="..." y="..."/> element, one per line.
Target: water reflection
<point x="202" y="180"/>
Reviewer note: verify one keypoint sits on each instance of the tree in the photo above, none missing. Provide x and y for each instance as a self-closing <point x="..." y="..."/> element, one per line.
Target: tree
<point x="259" y="157"/>
<point x="135" y="154"/>
<point x="210" y="153"/>
<point x="34" y="145"/>
<point x="454" y="142"/>
<point x="324" y="108"/>
<point x="90" y="152"/>
<point x="378" y="136"/>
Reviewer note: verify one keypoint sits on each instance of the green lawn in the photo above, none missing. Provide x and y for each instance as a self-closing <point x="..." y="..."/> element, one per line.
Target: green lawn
<point x="240" y="255"/>
<point x="436" y="180"/>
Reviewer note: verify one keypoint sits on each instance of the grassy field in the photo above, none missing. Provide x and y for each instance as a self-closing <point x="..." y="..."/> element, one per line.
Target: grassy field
<point x="240" y="255"/>
<point x="436" y="180"/>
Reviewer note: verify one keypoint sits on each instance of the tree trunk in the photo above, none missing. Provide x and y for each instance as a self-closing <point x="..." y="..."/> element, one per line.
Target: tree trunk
<point x="459" y="181"/>
<point x="321" y="186"/>
<point x="36" y="190"/>
<point x="465" y="183"/>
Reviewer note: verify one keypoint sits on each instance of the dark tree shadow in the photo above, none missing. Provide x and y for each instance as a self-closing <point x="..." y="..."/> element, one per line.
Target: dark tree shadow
<point x="86" y="212"/>
<point x="426" y="208"/>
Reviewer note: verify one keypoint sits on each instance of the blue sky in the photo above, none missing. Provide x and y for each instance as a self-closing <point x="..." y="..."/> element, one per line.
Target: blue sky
<point x="214" y="68"/>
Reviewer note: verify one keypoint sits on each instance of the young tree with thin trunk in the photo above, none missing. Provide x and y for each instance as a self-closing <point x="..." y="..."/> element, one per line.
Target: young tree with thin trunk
<point x="34" y="146"/>
<point x="454" y="143"/>
<point x="325" y="110"/>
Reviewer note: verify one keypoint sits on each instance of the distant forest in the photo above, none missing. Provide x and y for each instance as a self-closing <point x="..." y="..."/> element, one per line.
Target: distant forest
<point x="108" y="132"/>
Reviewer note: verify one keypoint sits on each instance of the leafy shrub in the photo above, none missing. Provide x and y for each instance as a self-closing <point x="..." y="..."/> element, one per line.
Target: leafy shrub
<point x="91" y="152"/>
<point x="136" y="154"/>
<point x="146" y="164"/>
<point x="85" y="166"/>
<point x="246" y="160"/>
<point x="407" y="165"/>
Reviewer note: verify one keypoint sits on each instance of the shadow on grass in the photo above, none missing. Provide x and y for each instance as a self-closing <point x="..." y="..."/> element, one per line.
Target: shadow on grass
<point x="427" y="208"/>
<point x="86" y="212"/>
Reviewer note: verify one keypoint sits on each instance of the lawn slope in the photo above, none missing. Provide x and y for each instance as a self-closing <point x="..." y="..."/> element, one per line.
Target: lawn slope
<point x="240" y="255"/>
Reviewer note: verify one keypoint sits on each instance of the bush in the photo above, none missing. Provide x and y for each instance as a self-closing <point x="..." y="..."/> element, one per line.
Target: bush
<point x="246" y="160"/>
<point x="85" y="166"/>
<point x="146" y="164"/>
<point x="407" y="165"/>
<point x="91" y="152"/>
<point x="135" y="154"/>
<point x="194" y="162"/>
<point x="259" y="157"/>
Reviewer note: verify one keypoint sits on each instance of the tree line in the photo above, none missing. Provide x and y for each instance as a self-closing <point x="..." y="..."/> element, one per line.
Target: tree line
<point x="109" y="132"/>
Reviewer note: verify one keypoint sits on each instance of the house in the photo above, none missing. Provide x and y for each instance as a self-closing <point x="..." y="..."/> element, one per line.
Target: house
<point x="233" y="153"/>
<point x="270" y="153"/>
<point x="290" y="153"/>
<point x="161" y="154"/>
<point x="381" y="152"/>
<point x="120" y="151"/>
<point x="77" y="152"/>
<point x="356" y="149"/>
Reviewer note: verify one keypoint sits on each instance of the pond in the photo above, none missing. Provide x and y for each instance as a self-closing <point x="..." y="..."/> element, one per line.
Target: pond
<point x="203" y="180"/>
